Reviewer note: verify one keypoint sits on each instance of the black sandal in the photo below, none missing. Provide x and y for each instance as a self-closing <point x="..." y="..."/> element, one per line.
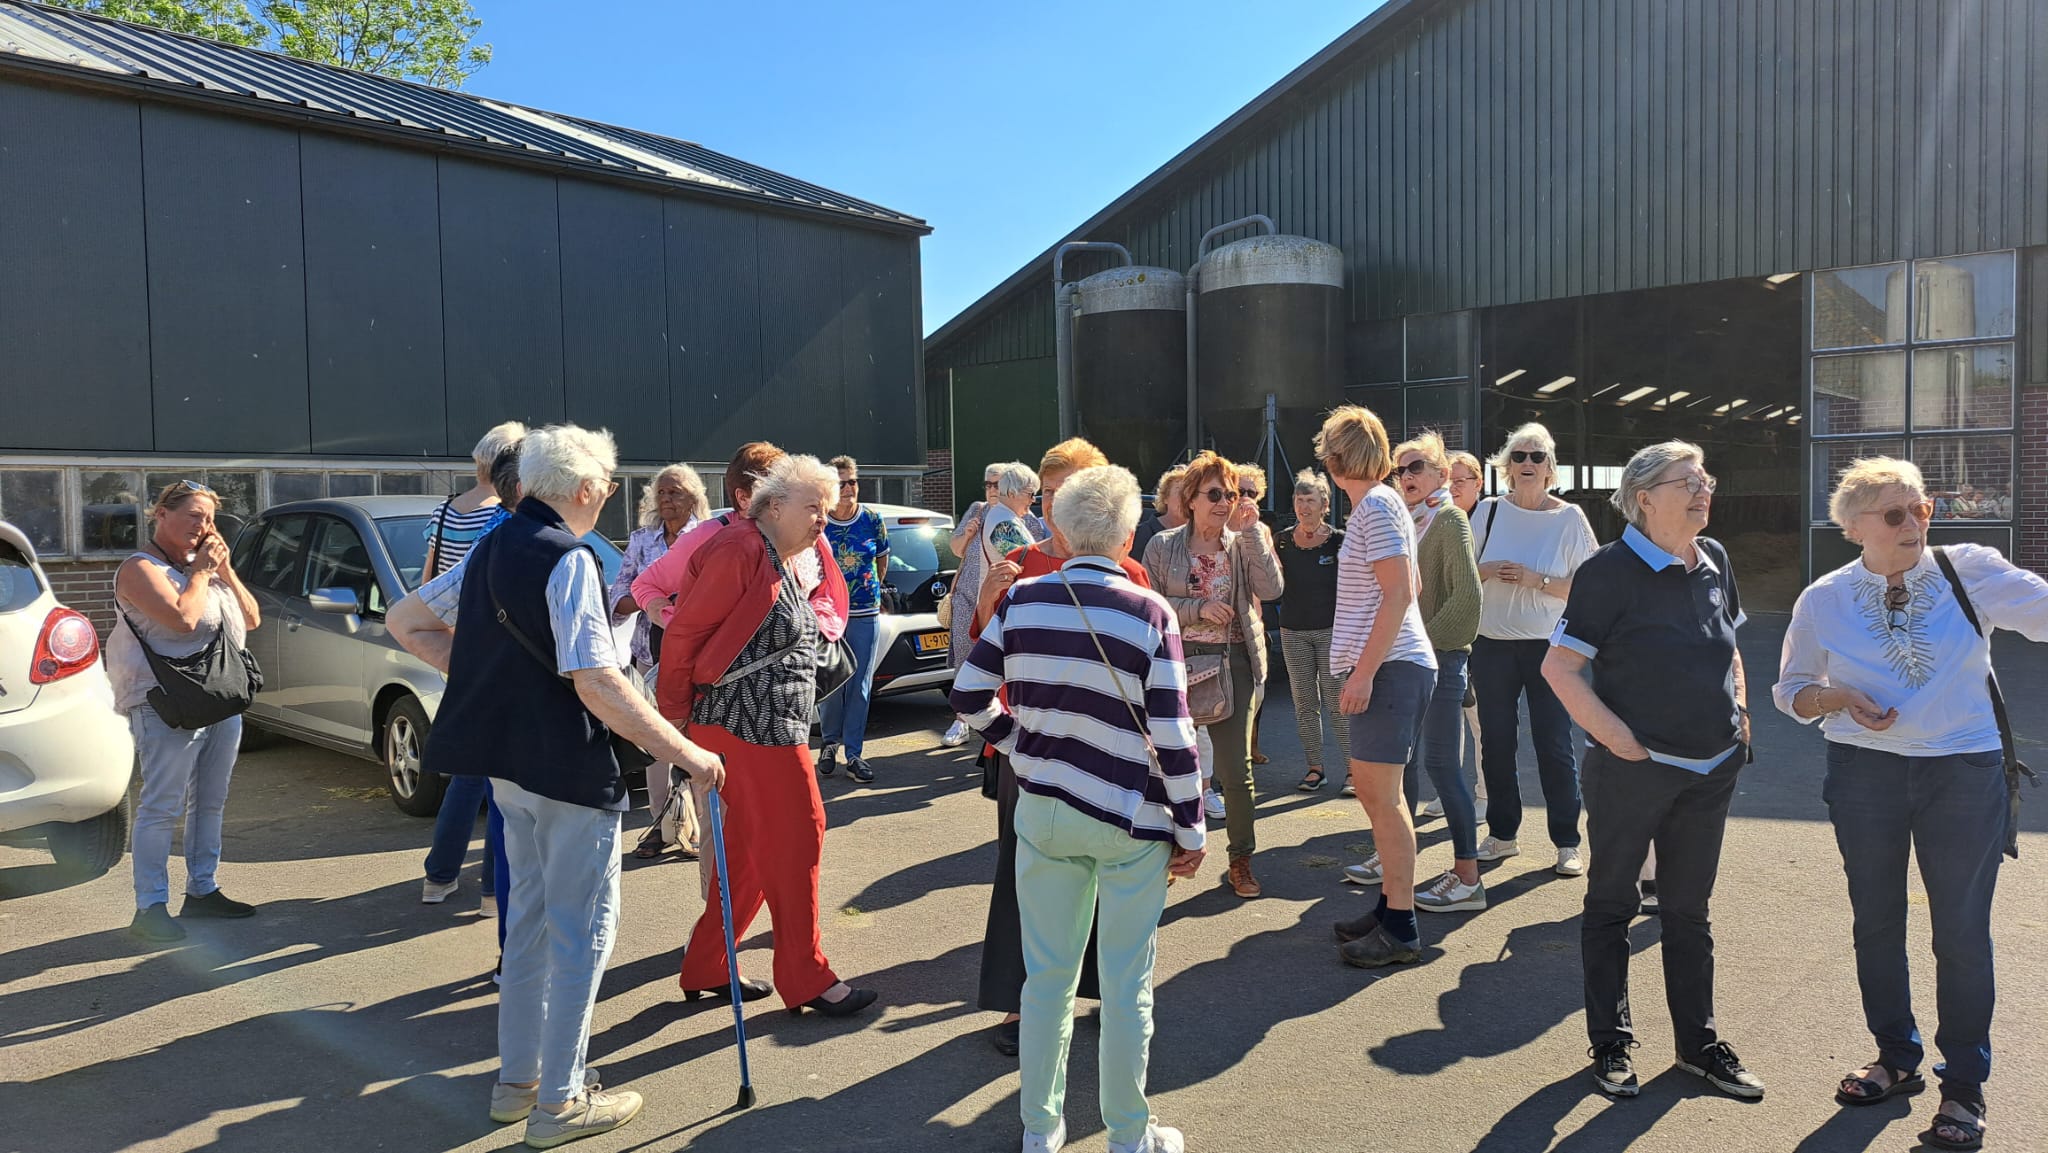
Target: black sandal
<point x="1970" y="1133"/>
<point x="1859" y="1091"/>
<point x="650" y="845"/>
<point x="1310" y="783"/>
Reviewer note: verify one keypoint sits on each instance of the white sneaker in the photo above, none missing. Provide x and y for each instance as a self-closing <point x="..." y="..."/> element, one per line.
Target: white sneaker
<point x="1212" y="804"/>
<point x="1366" y="872"/>
<point x="511" y="1104"/>
<point x="1051" y="1142"/>
<point x="1570" y="863"/>
<point x="489" y="908"/>
<point x="1495" y="849"/>
<point x="435" y="892"/>
<point x="1350" y="790"/>
<point x="1432" y="810"/>
<point x="1448" y="894"/>
<point x="955" y="736"/>
<point x="589" y="1115"/>
<point x="1157" y="1139"/>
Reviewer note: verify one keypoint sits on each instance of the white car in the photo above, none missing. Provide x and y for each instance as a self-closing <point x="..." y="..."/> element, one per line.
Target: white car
<point x="66" y="757"/>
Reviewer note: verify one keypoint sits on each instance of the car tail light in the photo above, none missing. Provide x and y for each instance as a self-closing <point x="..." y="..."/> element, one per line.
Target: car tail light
<point x="67" y="645"/>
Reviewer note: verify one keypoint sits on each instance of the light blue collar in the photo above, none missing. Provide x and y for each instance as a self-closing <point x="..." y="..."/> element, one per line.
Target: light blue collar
<point x="1659" y="560"/>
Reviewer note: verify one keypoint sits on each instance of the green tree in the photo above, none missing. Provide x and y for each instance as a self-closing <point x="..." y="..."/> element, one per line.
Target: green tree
<point x="431" y="41"/>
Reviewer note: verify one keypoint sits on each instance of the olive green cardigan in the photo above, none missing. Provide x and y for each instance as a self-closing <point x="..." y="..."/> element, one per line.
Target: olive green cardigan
<point x="1449" y="595"/>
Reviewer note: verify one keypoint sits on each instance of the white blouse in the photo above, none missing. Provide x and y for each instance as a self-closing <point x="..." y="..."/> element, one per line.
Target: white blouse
<point x="1931" y="669"/>
<point x="1552" y="541"/>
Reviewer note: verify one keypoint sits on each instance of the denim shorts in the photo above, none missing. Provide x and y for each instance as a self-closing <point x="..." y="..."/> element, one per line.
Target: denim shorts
<point x="1385" y="732"/>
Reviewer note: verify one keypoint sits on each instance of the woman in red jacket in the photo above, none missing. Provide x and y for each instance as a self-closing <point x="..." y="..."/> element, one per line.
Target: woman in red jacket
<point x="739" y="668"/>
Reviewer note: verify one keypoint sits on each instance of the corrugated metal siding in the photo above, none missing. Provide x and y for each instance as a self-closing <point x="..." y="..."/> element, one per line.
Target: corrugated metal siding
<point x="1501" y="151"/>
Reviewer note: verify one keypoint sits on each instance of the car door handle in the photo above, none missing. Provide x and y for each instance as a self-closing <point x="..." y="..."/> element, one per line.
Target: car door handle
<point x="292" y="621"/>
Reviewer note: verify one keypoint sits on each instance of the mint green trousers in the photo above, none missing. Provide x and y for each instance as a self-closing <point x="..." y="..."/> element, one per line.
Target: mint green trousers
<point x="1068" y="864"/>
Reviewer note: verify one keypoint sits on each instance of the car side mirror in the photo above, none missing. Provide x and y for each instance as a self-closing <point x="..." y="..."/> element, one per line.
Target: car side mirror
<point x="339" y="601"/>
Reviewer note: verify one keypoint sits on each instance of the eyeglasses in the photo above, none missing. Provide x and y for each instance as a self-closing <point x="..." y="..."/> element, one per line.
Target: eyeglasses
<point x="1537" y="456"/>
<point x="1694" y="485"/>
<point x="1220" y="495"/>
<point x="611" y="488"/>
<point x="1415" y="467"/>
<point x="990" y="484"/>
<point x="1895" y="602"/>
<point x="1896" y="515"/>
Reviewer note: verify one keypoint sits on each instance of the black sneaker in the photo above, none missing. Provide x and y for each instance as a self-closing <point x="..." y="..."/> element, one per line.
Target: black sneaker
<point x="1378" y="948"/>
<point x="828" y="760"/>
<point x="155" y="924"/>
<point x="1005" y="1037"/>
<point x="1613" y="1070"/>
<point x="857" y="768"/>
<point x="1723" y="1070"/>
<point x="1352" y="930"/>
<point x="215" y="904"/>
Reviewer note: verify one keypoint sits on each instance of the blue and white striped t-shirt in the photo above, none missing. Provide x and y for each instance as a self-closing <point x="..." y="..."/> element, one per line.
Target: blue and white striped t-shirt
<point x="1066" y="723"/>
<point x="1380" y="527"/>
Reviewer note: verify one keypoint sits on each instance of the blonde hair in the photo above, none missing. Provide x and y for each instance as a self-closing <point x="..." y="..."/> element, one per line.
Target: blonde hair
<point x="693" y="487"/>
<point x="497" y="440"/>
<point x="1255" y="474"/>
<point x="1070" y="456"/>
<point x="1352" y="444"/>
<point x="1865" y="480"/>
<point x="1169" y="482"/>
<point x="1533" y="436"/>
<point x="178" y="494"/>
<point x="1431" y="447"/>
<point x="1454" y="459"/>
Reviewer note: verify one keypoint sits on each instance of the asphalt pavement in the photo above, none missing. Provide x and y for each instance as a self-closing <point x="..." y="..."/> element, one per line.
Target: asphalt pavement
<point x="349" y="1016"/>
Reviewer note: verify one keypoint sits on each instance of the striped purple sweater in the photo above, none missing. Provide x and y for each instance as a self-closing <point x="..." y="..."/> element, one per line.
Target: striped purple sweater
<point x="1062" y="720"/>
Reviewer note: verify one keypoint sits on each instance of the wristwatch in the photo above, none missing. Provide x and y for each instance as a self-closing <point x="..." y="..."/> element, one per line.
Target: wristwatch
<point x="1544" y="583"/>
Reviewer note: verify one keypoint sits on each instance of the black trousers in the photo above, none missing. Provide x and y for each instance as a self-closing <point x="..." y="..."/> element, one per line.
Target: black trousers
<point x="1002" y="943"/>
<point x="1629" y="805"/>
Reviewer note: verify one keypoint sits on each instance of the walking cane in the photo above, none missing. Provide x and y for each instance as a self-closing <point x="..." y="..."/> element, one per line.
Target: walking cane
<point x="732" y="964"/>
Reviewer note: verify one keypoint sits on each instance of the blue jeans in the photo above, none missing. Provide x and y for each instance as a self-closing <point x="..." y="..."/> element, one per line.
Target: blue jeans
<point x="1501" y="672"/>
<point x="453" y="827"/>
<point x="184" y="773"/>
<point x="1952" y="812"/>
<point x="558" y="937"/>
<point x="846" y="713"/>
<point x="1439" y="745"/>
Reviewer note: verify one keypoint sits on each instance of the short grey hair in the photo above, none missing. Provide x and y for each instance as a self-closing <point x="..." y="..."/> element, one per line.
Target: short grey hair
<point x="1098" y="510"/>
<point x="693" y="487"/>
<point x="1530" y="436"/>
<point x="791" y="478"/>
<point x="1644" y="468"/>
<point x="1309" y="480"/>
<point x="500" y="438"/>
<point x="1013" y="478"/>
<point x="557" y="461"/>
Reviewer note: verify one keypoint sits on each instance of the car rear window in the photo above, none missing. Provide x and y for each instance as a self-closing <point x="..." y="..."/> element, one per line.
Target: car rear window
<point x="19" y="585"/>
<point x="406" y="538"/>
<point x="922" y="550"/>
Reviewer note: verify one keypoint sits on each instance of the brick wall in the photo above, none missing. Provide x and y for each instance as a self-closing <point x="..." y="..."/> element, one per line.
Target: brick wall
<point x="2030" y="546"/>
<point x="935" y="488"/>
<point x="87" y="586"/>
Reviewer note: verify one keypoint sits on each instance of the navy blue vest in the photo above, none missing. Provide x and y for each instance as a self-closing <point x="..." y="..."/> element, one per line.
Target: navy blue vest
<point x="505" y="715"/>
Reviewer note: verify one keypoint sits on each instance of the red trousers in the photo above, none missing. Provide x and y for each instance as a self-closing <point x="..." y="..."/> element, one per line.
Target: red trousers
<point x="774" y="839"/>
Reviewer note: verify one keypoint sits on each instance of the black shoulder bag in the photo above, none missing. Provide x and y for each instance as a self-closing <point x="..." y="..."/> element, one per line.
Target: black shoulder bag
<point x="631" y="757"/>
<point x="2014" y="770"/>
<point x="206" y="688"/>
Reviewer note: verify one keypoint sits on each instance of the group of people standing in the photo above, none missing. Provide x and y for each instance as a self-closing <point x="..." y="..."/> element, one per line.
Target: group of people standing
<point x="1097" y="681"/>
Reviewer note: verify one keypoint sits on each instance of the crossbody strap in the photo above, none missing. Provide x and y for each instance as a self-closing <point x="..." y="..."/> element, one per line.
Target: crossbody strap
<point x="1115" y="674"/>
<point x="1492" y="510"/>
<point x="1955" y="584"/>
<point x="440" y="531"/>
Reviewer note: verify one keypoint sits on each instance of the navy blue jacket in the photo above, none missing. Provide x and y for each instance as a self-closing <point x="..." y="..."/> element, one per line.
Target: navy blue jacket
<point x="505" y="714"/>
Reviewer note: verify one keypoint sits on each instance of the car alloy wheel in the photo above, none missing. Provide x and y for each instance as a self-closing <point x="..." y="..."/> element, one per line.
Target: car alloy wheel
<point x="413" y="789"/>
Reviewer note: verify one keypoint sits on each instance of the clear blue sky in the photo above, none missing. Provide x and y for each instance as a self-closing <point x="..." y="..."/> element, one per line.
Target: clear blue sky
<point x="1003" y="125"/>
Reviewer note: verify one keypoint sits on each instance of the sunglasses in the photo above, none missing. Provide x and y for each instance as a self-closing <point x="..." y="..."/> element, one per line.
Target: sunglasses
<point x="1694" y="485"/>
<point x="1537" y="456"/>
<point x="1248" y="493"/>
<point x="1897" y="514"/>
<point x="180" y="487"/>
<point x="1416" y="467"/>
<point x="1895" y="602"/>
<point x="855" y="483"/>
<point x="990" y="484"/>
<point x="1220" y="495"/>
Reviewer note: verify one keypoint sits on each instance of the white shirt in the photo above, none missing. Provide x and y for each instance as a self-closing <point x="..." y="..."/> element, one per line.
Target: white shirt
<point x="1932" y="669"/>
<point x="1553" y="542"/>
<point x="1380" y="527"/>
<point x="577" y="614"/>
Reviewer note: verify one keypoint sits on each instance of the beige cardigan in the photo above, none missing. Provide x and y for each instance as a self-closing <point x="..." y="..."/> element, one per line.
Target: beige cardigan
<point x="1254" y="577"/>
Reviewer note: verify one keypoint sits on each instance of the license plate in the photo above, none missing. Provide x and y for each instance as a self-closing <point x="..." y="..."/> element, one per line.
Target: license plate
<point x="928" y="643"/>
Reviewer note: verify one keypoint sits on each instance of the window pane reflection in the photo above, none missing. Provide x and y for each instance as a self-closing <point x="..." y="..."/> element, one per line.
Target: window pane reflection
<point x="33" y="501"/>
<point x="1964" y="297"/>
<point x="1859" y="394"/>
<point x="1832" y="457"/>
<point x="110" y="510"/>
<point x="351" y="484"/>
<point x="402" y="483"/>
<point x="1853" y="307"/>
<point x="291" y="486"/>
<point x="1958" y="388"/>
<point x="1968" y="477"/>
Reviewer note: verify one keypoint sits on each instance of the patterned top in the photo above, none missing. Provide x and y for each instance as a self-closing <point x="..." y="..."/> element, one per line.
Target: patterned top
<point x="1378" y="528"/>
<point x="1209" y="580"/>
<point x="1925" y="661"/>
<point x="861" y="546"/>
<point x="1004" y="532"/>
<point x="773" y="705"/>
<point x="643" y="548"/>
<point x="458" y="532"/>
